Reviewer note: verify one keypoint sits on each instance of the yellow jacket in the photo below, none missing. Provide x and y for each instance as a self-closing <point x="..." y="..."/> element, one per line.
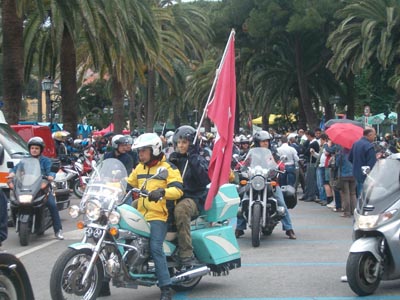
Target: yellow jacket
<point x="173" y="186"/>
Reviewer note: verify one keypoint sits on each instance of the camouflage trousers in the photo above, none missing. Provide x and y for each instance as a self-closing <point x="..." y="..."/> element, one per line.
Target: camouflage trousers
<point x="184" y="211"/>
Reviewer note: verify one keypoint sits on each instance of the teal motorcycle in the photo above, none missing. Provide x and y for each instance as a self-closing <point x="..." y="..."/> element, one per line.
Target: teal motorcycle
<point x="115" y="245"/>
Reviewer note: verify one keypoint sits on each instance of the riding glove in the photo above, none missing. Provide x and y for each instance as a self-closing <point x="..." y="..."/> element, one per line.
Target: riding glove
<point x="156" y="194"/>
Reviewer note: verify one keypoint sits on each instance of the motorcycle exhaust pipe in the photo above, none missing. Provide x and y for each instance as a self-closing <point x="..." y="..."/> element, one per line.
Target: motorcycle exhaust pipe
<point x="201" y="271"/>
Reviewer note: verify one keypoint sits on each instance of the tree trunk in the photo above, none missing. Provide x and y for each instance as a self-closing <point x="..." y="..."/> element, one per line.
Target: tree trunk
<point x="118" y="105"/>
<point x="301" y="120"/>
<point x="151" y="88"/>
<point x="69" y="102"/>
<point x="310" y="114"/>
<point x="13" y="61"/>
<point x="350" y="95"/>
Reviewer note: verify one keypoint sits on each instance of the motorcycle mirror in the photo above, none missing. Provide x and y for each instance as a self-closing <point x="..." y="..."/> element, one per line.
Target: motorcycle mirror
<point x="283" y="158"/>
<point x="366" y="170"/>
<point x="162" y="173"/>
<point x="10" y="164"/>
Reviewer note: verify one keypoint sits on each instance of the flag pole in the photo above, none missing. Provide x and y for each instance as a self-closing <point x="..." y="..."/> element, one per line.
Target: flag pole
<point x="231" y="35"/>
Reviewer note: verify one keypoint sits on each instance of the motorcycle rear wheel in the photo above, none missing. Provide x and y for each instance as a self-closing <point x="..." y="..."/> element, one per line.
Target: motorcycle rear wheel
<point x="67" y="273"/>
<point x="256" y="225"/>
<point x="24" y="234"/>
<point x="78" y="190"/>
<point x="360" y="271"/>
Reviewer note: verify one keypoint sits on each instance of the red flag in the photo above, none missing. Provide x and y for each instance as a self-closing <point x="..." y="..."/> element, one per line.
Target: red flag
<point x="221" y="111"/>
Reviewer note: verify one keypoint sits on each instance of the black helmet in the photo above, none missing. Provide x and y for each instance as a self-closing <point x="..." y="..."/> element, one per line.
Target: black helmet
<point x="184" y="132"/>
<point x="36" y="141"/>
<point x="135" y="133"/>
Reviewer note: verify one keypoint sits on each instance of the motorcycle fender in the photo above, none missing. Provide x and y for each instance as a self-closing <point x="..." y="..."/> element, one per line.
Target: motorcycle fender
<point x="367" y="244"/>
<point x="80" y="246"/>
<point x="24" y="218"/>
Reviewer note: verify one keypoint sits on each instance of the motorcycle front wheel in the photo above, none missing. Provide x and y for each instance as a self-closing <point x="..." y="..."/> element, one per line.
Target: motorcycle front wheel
<point x="362" y="274"/>
<point x="24" y="233"/>
<point x="78" y="189"/>
<point x="66" y="276"/>
<point x="8" y="288"/>
<point x="256" y="225"/>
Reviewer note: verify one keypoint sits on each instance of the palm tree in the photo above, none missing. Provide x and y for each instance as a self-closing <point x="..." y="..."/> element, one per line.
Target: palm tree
<point x="368" y="35"/>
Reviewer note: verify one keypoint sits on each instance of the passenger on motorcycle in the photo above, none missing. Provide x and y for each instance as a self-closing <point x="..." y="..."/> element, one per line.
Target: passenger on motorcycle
<point x="154" y="207"/>
<point x="262" y="139"/>
<point x="194" y="171"/>
<point x="36" y="146"/>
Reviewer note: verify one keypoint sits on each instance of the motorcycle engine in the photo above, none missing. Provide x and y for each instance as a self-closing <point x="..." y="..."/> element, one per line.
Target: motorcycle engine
<point x="137" y="255"/>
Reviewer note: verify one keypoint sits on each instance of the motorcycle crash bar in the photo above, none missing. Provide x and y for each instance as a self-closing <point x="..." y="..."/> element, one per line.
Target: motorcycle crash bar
<point x="201" y="271"/>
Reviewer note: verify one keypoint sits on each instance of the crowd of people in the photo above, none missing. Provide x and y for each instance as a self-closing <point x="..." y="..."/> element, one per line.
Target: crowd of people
<point x="327" y="173"/>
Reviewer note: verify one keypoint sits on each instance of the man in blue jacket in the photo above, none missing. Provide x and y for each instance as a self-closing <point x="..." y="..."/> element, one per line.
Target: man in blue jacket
<point x="363" y="154"/>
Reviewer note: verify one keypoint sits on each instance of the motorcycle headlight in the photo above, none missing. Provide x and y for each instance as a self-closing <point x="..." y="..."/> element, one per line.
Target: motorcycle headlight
<point x="372" y="221"/>
<point x="93" y="210"/>
<point x="114" y="217"/>
<point x="258" y="183"/>
<point x="74" y="211"/>
<point x="25" y="198"/>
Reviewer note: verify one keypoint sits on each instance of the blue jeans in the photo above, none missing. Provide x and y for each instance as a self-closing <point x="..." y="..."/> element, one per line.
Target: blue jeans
<point x="52" y="206"/>
<point x="286" y="221"/>
<point x="158" y="231"/>
<point x="360" y="184"/>
<point x="289" y="178"/>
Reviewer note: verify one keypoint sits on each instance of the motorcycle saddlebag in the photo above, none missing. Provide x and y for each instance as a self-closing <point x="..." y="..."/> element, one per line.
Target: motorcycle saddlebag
<point x="225" y="204"/>
<point x="216" y="245"/>
<point x="289" y="194"/>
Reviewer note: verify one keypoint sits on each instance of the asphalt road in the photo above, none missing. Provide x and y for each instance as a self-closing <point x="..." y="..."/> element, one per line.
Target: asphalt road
<point x="307" y="268"/>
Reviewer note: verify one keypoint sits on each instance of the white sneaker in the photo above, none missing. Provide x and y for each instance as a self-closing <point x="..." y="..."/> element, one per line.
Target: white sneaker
<point x="59" y="235"/>
<point x="343" y="278"/>
<point x="331" y="205"/>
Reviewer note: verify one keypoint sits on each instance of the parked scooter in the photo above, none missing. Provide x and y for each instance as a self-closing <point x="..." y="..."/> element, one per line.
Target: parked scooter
<point x="116" y="240"/>
<point x="28" y="200"/>
<point x="258" y="205"/>
<point x="14" y="280"/>
<point x="374" y="254"/>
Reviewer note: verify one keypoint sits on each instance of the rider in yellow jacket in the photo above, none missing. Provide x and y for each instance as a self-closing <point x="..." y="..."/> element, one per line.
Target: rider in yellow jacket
<point x="154" y="206"/>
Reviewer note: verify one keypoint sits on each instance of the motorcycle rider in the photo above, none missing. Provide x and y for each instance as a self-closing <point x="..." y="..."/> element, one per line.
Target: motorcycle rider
<point x="194" y="171"/>
<point x="119" y="144"/>
<point x="262" y="139"/>
<point x="154" y="207"/>
<point x="36" y="146"/>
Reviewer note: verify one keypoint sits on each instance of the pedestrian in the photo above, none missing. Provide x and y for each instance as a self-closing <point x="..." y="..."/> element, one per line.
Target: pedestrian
<point x="291" y="161"/>
<point x="362" y="153"/>
<point x="311" y="189"/>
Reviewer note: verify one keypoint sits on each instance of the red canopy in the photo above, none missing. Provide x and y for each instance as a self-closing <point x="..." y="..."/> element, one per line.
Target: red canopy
<point x="109" y="128"/>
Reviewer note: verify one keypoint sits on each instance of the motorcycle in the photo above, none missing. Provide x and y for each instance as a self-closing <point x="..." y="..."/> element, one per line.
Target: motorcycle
<point x="258" y="206"/>
<point x="28" y="199"/>
<point x="374" y="254"/>
<point x="116" y="246"/>
<point x="14" y="280"/>
<point x="77" y="173"/>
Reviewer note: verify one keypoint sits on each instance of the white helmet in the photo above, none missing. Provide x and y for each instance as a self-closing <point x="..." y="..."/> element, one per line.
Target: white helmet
<point x="169" y="134"/>
<point x="149" y="140"/>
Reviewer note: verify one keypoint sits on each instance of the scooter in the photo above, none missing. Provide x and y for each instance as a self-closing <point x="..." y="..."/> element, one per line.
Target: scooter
<point x="116" y="246"/>
<point x="375" y="252"/>
<point x="28" y="200"/>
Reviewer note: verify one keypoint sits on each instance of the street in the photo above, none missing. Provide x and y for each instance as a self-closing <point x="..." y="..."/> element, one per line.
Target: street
<point x="307" y="268"/>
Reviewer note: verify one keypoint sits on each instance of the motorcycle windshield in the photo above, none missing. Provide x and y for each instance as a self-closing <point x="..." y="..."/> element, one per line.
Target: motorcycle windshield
<point x="107" y="182"/>
<point x="260" y="157"/>
<point x="382" y="185"/>
<point x="28" y="175"/>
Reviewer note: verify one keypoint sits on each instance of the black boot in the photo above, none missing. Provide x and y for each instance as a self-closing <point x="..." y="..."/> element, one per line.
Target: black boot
<point x="166" y="293"/>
